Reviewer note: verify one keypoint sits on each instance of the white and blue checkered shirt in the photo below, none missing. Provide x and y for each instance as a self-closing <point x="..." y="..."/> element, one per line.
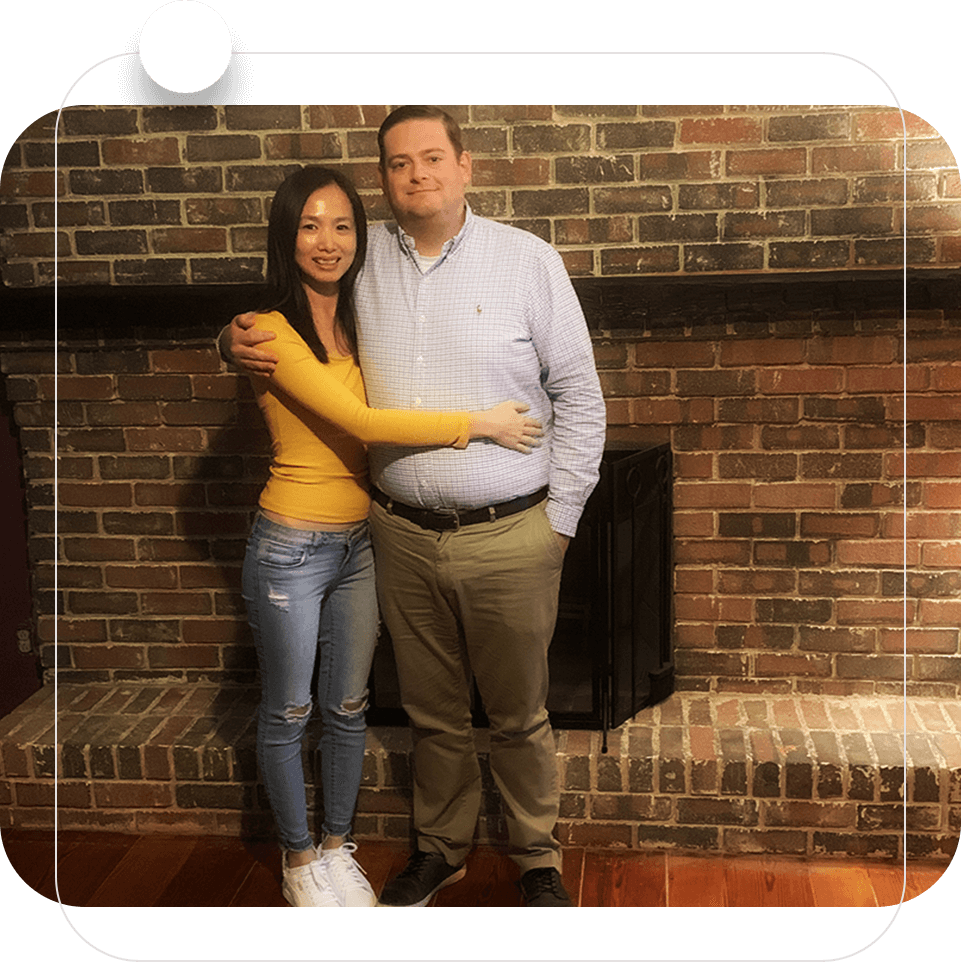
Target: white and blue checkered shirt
<point x="494" y="318"/>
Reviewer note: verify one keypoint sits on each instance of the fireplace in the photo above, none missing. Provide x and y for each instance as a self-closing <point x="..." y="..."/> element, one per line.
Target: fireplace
<point x="611" y="654"/>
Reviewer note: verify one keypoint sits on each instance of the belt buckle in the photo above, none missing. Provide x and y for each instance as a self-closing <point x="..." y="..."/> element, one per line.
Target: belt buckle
<point x="453" y="515"/>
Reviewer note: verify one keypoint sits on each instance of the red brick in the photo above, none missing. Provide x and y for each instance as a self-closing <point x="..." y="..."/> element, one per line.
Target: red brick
<point x="141" y="576"/>
<point x="932" y="525"/>
<point x="942" y="495"/>
<point x="650" y="411"/>
<point x="941" y="555"/>
<point x="592" y="835"/>
<point x="39" y="183"/>
<point x="839" y="525"/>
<point x="863" y="349"/>
<point x="856" y="612"/>
<point x="751" y="353"/>
<point x="166" y="439"/>
<point x="691" y="466"/>
<point x="800" y="665"/>
<point x="886" y="380"/>
<point x="95" y="495"/>
<point x="922" y="464"/>
<point x="933" y="612"/>
<point x="108" y="656"/>
<point x="176" y="602"/>
<point x="861" y="158"/>
<point x="132" y="795"/>
<point x="713" y="608"/>
<point x="933" y="641"/>
<point x="882" y="553"/>
<point x="69" y="631"/>
<point x="15" y="764"/>
<point x="155" y="152"/>
<point x="618" y="411"/>
<point x="950" y="250"/>
<point x="593" y="230"/>
<point x="69" y="794"/>
<point x="783" y="161"/>
<point x="944" y="408"/>
<point x="692" y="525"/>
<point x="114" y="413"/>
<point x="76" y="388"/>
<point x="795" y="495"/>
<point x="187" y="360"/>
<point x="946" y="380"/>
<point x="943" y="218"/>
<point x="756" y="582"/>
<point x="675" y="355"/>
<point x="702" y="742"/>
<point x="178" y="656"/>
<point x="187" y="239"/>
<point x="519" y="171"/>
<point x="712" y="495"/>
<point x="634" y="383"/>
<point x="516" y="112"/>
<point x="721" y="130"/>
<point x="889" y="125"/>
<point x="802" y="381"/>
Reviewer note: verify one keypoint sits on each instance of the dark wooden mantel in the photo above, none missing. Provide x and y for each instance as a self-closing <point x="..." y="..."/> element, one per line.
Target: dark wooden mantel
<point x="611" y="304"/>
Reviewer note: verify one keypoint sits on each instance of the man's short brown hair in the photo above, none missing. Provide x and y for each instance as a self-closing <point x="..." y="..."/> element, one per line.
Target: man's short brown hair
<point x="400" y="114"/>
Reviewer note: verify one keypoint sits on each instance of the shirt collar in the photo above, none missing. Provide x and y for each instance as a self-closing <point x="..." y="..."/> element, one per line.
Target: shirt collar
<point x="409" y="246"/>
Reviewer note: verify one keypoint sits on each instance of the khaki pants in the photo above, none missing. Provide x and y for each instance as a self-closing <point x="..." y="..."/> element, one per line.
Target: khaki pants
<point x="478" y="601"/>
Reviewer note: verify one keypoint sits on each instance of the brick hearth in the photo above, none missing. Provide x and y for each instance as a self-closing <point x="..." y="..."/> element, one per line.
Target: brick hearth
<point x="796" y="775"/>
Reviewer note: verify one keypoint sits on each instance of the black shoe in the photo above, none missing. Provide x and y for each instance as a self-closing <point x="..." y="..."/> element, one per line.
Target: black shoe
<point x="421" y="878"/>
<point x="543" y="887"/>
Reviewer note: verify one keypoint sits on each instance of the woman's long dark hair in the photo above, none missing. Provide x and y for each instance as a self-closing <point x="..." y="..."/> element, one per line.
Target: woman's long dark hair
<point x="285" y="288"/>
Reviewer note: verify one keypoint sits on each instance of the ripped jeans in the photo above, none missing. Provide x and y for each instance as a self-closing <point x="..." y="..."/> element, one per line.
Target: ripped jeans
<point x="311" y="593"/>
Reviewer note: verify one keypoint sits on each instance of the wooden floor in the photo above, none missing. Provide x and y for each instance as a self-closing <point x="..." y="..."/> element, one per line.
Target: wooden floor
<point x="107" y="869"/>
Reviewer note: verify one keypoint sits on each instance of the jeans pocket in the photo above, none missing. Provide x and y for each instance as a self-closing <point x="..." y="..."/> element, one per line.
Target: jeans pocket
<point x="281" y="554"/>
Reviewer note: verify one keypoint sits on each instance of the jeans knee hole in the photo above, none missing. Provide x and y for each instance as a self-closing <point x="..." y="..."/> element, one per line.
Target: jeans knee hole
<point x="353" y="706"/>
<point x="298" y="714"/>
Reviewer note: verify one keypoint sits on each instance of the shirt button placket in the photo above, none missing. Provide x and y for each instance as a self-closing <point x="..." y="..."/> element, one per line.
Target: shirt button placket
<point x="417" y="366"/>
<point x="417" y="345"/>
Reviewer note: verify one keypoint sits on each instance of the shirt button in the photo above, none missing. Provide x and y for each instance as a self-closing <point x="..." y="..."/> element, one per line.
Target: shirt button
<point x="417" y="402"/>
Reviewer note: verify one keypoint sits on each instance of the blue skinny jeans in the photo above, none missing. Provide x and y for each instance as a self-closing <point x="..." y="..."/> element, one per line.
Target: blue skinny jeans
<point x="311" y="594"/>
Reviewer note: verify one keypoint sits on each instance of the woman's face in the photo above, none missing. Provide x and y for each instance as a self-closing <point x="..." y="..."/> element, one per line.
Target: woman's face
<point x="326" y="238"/>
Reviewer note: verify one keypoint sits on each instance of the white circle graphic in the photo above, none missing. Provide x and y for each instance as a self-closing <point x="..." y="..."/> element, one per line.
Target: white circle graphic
<point x="185" y="46"/>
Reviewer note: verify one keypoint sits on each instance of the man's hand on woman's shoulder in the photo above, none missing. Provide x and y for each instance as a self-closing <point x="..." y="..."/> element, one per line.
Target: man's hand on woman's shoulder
<point x="239" y="343"/>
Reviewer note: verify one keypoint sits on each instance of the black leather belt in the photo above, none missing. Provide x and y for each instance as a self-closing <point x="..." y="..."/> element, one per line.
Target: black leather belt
<point x="452" y="520"/>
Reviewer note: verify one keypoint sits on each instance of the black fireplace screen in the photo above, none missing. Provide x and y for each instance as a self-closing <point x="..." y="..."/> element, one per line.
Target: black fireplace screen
<point x="611" y="654"/>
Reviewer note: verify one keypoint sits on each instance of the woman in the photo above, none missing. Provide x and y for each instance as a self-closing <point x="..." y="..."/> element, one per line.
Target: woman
<point x="308" y="576"/>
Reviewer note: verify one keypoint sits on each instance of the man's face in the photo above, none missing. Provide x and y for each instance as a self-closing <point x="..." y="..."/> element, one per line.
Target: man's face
<point x="423" y="177"/>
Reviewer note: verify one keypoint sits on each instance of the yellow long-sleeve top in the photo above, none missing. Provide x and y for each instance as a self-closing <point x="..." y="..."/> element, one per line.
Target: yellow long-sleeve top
<point x="319" y="424"/>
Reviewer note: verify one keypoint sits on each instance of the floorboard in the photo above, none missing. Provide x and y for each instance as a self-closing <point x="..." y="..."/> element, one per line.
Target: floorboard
<point x="143" y="874"/>
<point x="694" y="881"/>
<point x="624" y="879"/>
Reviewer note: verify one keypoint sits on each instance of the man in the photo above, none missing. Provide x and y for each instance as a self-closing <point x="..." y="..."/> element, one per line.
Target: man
<point x="457" y="312"/>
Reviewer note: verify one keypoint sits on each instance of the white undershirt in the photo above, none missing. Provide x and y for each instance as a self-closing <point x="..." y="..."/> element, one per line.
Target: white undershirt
<point x="423" y="261"/>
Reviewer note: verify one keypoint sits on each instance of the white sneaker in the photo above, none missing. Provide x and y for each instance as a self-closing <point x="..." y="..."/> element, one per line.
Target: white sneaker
<point x="306" y="886"/>
<point x="345" y="877"/>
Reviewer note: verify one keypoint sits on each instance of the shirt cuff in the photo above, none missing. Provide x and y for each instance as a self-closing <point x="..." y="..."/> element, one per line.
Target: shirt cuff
<point x="563" y="517"/>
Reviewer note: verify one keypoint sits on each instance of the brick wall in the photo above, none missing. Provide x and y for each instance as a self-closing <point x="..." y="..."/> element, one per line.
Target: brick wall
<point x="784" y="412"/>
<point x="796" y="509"/>
<point x="177" y="195"/>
